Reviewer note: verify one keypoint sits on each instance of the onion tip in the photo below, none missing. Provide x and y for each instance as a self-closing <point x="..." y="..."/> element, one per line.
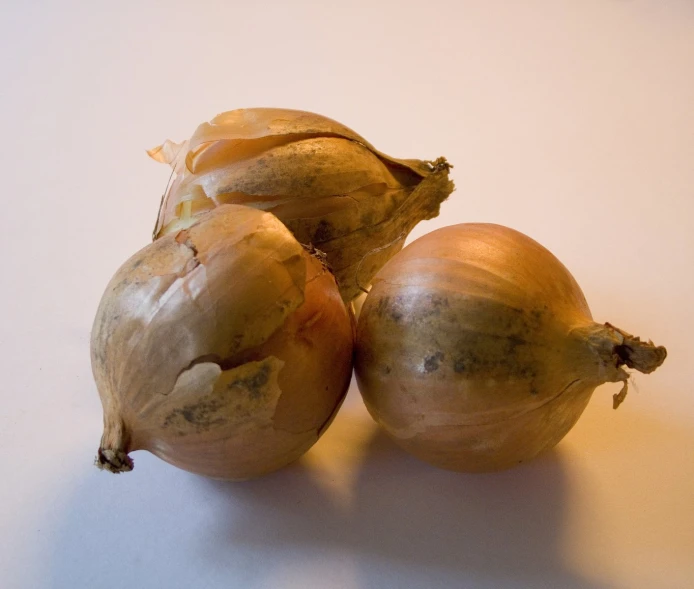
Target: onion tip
<point x="115" y="461"/>
<point x="634" y="353"/>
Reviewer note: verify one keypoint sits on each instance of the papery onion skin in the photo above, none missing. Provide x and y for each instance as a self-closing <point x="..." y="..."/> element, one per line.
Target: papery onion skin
<point x="476" y="350"/>
<point x="330" y="186"/>
<point x="224" y="349"/>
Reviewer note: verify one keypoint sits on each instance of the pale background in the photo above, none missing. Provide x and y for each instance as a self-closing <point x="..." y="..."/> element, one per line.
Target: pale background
<point x="572" y="121"/>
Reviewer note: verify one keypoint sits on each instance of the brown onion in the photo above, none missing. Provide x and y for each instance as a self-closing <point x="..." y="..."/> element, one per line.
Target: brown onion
<point x="476" y="349"/>
<point x="330" y="186"/>
<point x="224" y="349"/>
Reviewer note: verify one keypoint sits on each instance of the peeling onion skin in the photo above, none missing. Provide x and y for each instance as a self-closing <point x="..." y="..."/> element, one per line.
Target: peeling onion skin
<point x="224" y="349"/>
<point x="476" y="350"/>
<point x="330" y="186"/>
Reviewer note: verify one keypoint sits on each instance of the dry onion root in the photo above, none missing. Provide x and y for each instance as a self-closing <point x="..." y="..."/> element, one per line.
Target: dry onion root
<point x="224" y="349"/>
<point x="330" y="186"/>
<point x="476" y="349"/>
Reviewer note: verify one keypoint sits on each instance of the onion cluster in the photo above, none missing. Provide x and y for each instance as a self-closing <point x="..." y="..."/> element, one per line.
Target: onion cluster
<point x="226" y="346"/>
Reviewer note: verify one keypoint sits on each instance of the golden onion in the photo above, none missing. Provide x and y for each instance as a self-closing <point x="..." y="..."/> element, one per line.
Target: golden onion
<point x="330" y="186"/>
<point x="224" y="348"/>
<point x="476" y="349"/>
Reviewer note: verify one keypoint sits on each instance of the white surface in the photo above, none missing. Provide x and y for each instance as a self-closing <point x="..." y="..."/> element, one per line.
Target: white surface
<point x="570" y="121"/>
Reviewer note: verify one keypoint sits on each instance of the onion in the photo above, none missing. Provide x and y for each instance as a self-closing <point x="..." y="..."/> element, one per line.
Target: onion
<point x="476" y="349"/>
<point x="330" y="186"/>
<point x="224" y="349"/>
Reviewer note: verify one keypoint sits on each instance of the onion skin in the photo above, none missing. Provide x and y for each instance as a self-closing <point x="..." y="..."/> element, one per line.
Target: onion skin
<point x="224" y="349"/>
<point x="476" y="350"/>
<point x="326" y="183"/>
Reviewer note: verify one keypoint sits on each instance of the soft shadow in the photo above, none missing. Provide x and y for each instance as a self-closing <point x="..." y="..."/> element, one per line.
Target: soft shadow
<point x="390" y="521"/>
<point x="403" y="516"/>
<point x="498" y="526"/>
<point x="292" y="507"/>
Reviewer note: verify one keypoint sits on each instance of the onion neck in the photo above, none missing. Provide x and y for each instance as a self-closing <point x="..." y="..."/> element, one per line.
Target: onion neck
<point x="615" y="349"/>
<point x="115" y="444"/>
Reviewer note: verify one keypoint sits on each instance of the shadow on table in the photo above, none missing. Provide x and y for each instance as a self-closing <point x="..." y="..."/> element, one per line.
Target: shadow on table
<point x="404" y="515"/>
<point x="400" y="524"/>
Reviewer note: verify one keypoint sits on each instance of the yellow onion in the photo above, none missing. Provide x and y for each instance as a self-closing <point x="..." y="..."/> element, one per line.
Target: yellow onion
<point x="476" y="349"/>
<point x="330" y="186"/>
<point x="224" y="349"/>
